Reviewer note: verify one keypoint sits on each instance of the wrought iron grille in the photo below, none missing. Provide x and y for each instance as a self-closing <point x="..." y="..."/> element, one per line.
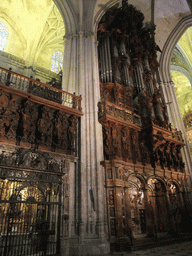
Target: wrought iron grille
<point x="30" y="212"/>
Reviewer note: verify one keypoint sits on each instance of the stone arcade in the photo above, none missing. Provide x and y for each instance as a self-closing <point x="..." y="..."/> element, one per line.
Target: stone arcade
<point x="83" y="175"/>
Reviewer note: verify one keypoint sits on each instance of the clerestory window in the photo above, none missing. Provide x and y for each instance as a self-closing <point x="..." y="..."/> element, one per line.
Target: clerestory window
<point x="57" y="61"/>
<point x="3" y="36"/>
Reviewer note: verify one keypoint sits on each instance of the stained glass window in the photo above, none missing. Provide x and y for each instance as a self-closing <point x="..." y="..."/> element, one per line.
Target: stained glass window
<point x="57" y="61"/>
<point x="3" y="36"/>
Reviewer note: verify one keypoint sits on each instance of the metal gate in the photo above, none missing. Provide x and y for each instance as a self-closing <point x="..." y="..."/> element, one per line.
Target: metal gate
<point x="30" y="208"/>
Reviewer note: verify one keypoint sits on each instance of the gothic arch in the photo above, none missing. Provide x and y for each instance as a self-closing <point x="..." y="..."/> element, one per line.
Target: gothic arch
<point x="175" y="183"/>
<point x="12" y="28"/>
<point x="139" y="177"/>
<point x="68" y="13"/>
<point x="101" y="9"/>
<point x="157" y="178"/>
<point x="172" y="40"/>
<point x="168" y="90"/>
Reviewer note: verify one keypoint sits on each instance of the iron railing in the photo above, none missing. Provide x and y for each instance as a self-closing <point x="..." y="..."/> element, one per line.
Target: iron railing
<point x="31" y="86"/>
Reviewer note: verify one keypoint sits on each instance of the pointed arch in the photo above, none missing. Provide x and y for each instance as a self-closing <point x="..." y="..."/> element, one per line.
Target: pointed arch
<point x="170" y="44"/>
<point x="101" y="9"/>
<point x="69" y="16"/>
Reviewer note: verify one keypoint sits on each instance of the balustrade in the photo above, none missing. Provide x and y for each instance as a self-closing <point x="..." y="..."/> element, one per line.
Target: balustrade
<point x="31" y="86"/>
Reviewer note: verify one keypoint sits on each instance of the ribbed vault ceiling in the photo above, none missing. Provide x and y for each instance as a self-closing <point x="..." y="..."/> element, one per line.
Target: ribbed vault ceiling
<point x="36" y="29"/>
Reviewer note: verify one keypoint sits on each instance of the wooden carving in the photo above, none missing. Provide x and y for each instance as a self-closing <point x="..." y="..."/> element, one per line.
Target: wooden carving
<point x="45" y="127"/>
<point x="135" y="146"/>
<point x="62" y="125"/>
<point x="126" y="144"/>
<point x="128" y="98"/>
<point x="30" y="116"/>
<point x="107" y="139"/>
<point x="72" y="132"/>
<point x="10" y="118"/>
<point x="144" y="152"/>
<point x="116" y="141"/>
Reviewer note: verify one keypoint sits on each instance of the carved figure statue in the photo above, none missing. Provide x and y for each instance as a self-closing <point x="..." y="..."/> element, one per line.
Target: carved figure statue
<point x="107" y="141"/>
<point x="125" y="139"/>
<point x="45" y="127"/>
<point x="72" y="131"/>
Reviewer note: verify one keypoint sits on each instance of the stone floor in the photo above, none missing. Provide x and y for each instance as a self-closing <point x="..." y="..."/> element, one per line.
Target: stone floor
<point x="178" y="249"/>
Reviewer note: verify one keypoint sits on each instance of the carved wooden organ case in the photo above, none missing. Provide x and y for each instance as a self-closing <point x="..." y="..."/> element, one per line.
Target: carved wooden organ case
<point x="132" y="110"/>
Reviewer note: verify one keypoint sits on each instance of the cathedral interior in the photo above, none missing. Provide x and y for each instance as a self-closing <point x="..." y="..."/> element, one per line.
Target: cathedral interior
<point x="96" y="125"/>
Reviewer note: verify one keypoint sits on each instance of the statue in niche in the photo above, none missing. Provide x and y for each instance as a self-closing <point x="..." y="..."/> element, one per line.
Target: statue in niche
<point x="125" y="138"/>
<point x="30" y="115"/>
<point x="10" y="120"/>
<point x="134" y="140"/>
<point x="181" y="164"/>
<point x="62" y="125"/>
<point x="162" y="157"/>
<point x="45" y="126"/>
<point x="157" y="154"/>
<point x="107" y="141"/>
<point x="167" y="152"/>
<point x="4" y="101"/>
<point x="128" y="98"/>
<point x="174" y="156"/>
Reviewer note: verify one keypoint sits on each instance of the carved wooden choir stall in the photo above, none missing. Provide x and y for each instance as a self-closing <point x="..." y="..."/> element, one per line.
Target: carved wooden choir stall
<point x="37" y="146"/>
<point x="144" y="171"/>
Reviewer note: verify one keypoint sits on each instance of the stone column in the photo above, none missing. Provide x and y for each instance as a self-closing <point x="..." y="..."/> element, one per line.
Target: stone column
<point x="92" y="197"/>
<point x="70" y="67"/>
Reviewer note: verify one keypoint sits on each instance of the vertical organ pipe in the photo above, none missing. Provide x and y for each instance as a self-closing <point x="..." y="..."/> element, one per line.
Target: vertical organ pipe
<point x="150" y="83"/>
<point x="109" y="58"/>
<point x="104" y="66"/>
<point x="139" y="78"/>
<point x="106" y="61"/>
<point x="101" y="61"/>
<point x="125" y="75"/>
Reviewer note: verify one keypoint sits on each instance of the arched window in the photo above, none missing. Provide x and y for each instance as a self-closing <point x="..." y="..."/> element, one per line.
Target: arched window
<point x="57" y="61"/>
<point x="3" y="36"/>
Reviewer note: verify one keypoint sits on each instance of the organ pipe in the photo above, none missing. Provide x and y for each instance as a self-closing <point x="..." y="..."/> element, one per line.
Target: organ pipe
<point x="109" y="59"/>
<point x="150" y="83"/>
<point x="101" y="63"/>
<point x="106" y="53"/>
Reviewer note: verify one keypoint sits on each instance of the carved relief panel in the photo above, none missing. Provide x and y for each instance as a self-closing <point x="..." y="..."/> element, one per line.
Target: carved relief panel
<point x="24" y="122"/>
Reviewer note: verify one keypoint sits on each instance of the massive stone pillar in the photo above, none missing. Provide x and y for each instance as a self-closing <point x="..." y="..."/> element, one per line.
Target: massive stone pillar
<point x="88" y="216"/>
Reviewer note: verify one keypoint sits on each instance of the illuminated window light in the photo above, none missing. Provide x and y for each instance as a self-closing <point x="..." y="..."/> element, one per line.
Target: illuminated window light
<point x="57" y="62"/>
<point x="3" y="36"/>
